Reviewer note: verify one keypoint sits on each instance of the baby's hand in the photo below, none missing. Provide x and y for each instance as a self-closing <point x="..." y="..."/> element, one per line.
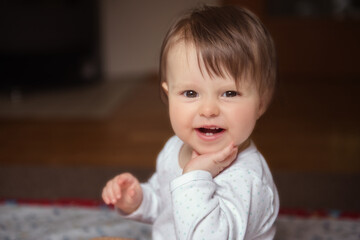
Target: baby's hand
<point x="124" y="191"/>
<point x="212" y="162"/>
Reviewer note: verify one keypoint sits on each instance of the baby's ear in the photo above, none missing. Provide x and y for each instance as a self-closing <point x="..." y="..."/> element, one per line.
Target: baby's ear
<point x="165" y="86"/>
<point x="262" y="108"/>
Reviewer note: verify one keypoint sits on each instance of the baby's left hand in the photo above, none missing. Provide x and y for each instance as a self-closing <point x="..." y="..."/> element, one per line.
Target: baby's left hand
<point x="214" y="163"/>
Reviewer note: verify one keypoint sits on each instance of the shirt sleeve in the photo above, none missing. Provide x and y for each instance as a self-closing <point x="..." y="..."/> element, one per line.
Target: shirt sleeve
<point x="225" y="209"/>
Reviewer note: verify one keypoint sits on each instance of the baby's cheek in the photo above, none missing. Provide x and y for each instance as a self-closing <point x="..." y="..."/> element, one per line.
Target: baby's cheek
<point x="241" y="134"/>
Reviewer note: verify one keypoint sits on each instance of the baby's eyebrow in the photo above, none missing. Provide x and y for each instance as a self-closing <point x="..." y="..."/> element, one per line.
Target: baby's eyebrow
<point x="184" y="85"/>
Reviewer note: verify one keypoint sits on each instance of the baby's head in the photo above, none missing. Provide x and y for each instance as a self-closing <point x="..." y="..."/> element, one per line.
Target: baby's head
<point x="217" y="72"/>
<point x="229" y="41"/>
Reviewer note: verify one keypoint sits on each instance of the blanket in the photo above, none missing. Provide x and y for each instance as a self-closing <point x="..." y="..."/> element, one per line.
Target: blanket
<point x="80" y="220"/>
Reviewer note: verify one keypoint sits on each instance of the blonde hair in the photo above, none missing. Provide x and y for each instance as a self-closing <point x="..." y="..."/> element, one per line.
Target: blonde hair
<point x="228" y="40"/>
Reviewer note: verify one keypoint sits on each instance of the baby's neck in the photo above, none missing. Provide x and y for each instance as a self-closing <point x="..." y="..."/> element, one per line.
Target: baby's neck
<point x="185" y="155"/>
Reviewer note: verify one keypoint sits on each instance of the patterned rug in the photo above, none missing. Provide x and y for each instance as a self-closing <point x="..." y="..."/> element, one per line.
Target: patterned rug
<point x="82" y="219"/>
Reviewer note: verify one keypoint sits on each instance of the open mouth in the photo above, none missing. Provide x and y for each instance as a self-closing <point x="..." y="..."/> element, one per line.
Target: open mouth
<point x="210" y="131"/>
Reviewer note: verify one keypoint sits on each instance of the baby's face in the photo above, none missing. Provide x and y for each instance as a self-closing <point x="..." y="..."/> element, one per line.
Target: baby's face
<point x="207" y="113"/>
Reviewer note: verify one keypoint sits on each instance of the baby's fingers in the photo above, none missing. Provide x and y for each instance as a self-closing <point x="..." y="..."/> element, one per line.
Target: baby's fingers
<point x="107" y="194"/>
<point x="116" y="191"/>
<point x="111" y="194"/>
<point x="105" y="197"/>
<point x="227" y="153"/>
<point x="223" y="159"/>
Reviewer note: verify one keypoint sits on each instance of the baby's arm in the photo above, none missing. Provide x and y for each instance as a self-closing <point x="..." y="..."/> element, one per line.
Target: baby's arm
<point x="222" y="209"/>
<point x="235" y="205"/>
<point x="124" y="191"/>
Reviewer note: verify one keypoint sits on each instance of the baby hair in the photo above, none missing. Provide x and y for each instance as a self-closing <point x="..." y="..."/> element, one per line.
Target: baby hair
<point x="229" y="41"/>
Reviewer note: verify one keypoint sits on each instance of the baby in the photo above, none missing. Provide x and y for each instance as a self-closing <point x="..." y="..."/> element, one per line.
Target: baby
<point x="217" y="75"/>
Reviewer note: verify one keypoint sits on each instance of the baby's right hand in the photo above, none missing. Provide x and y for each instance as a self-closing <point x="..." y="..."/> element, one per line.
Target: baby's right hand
<point x="124" y="191"/>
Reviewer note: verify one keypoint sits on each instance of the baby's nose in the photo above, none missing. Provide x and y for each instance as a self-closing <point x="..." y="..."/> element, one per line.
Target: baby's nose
<point x="209" y="108"/>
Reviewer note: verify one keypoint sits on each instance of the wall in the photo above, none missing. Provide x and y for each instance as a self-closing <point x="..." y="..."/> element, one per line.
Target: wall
<point x="132" y="32"/>
<point x="321" y="46"/>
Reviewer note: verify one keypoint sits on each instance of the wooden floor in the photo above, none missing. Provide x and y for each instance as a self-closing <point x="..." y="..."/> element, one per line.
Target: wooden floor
<point x="313" y="126"/>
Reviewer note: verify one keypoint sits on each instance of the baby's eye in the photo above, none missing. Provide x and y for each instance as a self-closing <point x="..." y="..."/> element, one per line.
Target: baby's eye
<point x="230" y="94"/>
<point x="190" y="94"/>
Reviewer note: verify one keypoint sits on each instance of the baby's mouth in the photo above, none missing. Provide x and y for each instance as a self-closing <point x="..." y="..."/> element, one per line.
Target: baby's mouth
<point x="210" y="131"/>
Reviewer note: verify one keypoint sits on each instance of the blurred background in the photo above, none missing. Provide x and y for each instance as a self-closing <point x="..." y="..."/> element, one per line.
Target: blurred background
<point x="79" y="96"/>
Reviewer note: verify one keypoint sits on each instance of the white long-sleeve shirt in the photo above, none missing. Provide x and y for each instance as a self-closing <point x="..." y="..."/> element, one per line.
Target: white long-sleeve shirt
<point x="240" y="203"/>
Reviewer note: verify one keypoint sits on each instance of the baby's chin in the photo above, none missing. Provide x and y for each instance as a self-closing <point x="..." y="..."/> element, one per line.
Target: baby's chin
<point x="209" y="149"/>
